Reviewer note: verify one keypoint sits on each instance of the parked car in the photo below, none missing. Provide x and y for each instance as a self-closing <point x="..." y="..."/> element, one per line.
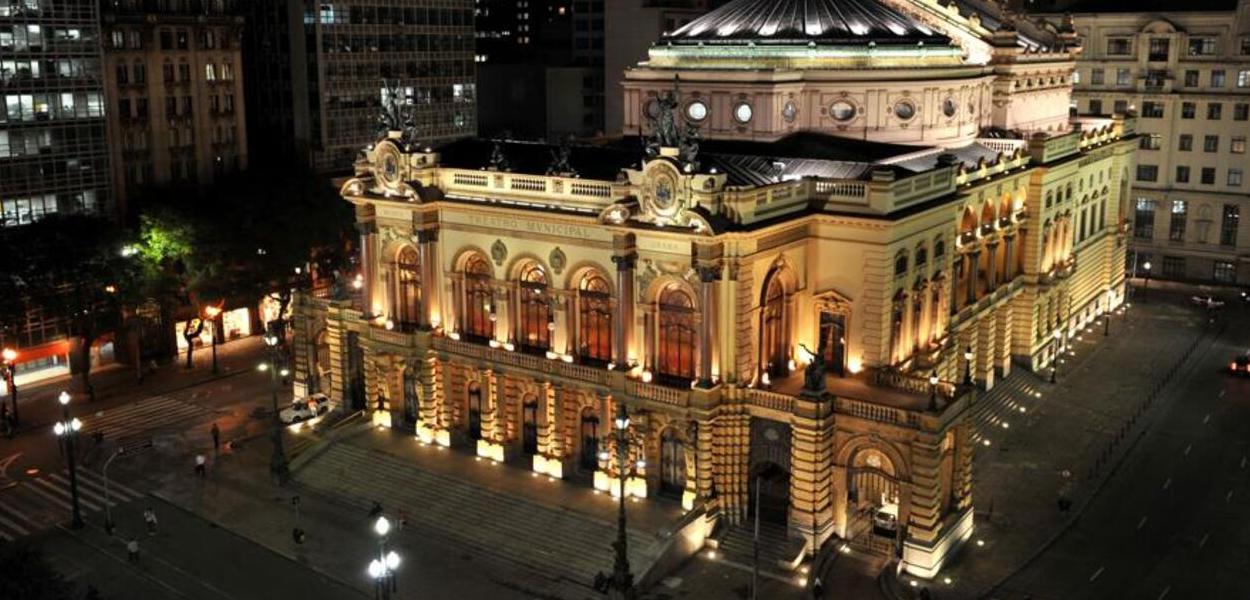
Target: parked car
<point x="1240" y="364"/>
<point x="1208" y="302"/>
<point x="885" y="520"/>
<point x="304" y="409"/>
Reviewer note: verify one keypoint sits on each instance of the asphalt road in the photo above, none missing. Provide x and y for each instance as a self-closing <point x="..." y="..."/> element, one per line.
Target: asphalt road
<point x="1174" y="520"/>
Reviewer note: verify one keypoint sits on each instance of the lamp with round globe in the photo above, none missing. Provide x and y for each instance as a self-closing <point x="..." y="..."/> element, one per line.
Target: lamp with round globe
<point x="933" y="383"/>
<point x="278" y="468"/>
<point x="212" y="314"/>
<point x="968" y="365"/>
<point x="382" y="569"/>
<point x="1056" y="352"/>
<point x="621" y="584"/>
<point x="10" y="367"/>
<point x="67" y="429"/>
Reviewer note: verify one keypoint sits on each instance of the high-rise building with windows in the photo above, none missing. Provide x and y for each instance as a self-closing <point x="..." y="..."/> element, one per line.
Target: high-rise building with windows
<point x="173" y="75"/>
<point x="1186" y="72"/>
<point x="53" y="138"/>
<point x="315" y="74"/>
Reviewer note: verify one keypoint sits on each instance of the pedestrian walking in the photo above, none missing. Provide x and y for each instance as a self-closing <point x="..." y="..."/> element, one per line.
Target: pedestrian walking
<point x="216" y="439"/>
<point x="818" y="589"/>
<point x="132" y="550"/>
<point x="403" y="519"/>
<point x="149" y="518"/>
<point x="199" y="465"/>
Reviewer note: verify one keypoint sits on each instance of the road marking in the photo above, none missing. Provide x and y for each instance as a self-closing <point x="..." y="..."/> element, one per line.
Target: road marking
<point x="1206" y="419"/>
<point x="1229" y="496"/>
<point x="1164" y="593"/>
<point x="1167" y="484"/>
<point x="1188" y="448"/>
<point x="1096" y="574"/>
<point x="1202" y="542"/>
<point x="4" y="464"/>
<point x="1141" y="523"/>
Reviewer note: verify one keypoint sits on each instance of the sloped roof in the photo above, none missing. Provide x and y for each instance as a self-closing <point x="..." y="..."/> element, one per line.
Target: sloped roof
<point x="804" y="21"/>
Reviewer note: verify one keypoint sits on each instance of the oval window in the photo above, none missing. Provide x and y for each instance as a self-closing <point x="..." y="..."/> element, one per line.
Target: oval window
<point x="949" y="107"/>
<point x="696" y="111"/>
<point x="742" y="113"/>
<point x="842" y="110"/>
<point x="652" y="108"/>
<point x="790" y="111"/>
<point x="904" y="110"/>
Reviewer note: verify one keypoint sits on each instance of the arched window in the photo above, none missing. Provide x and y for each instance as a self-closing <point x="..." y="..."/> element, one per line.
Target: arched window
<point x="900" y="263"/>
<point x="675" y="312"/>
<point x="774" y="334"/>
<point x="922" y="255"/>
<point x="939" y="249"/>
<point x="594" y="310"/>
<point x="535" y="323"/>
<point x="478" y="318"/>
<point x="407" y="288"/>
<point x="672" y="464"/>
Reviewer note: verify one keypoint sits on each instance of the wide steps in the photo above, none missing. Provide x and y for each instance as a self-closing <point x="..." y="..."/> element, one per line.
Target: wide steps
<point x="560" y="542"/>
<point x="776" y="547"/>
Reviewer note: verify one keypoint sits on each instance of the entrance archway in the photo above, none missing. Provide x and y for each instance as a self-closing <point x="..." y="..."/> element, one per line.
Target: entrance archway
<point x="588" y="459"/>
<point x="411" y="400"/>
<point x="475" y="411"/>
<point x="873" y="500"/>
<point x="529" y="426"/>
<point x="770" y="487"/>
<point x="672" y="464"/>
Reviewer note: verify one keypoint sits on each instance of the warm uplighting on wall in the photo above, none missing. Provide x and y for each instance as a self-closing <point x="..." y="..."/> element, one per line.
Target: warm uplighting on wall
<point x="855" y="365"/>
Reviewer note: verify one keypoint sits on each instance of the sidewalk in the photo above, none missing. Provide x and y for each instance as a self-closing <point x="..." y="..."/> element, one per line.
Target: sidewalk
<point x="1055" y="448"/>
<point x="116" y="384"/>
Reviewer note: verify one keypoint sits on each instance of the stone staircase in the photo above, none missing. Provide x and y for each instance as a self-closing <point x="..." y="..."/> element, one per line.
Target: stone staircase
<point x="1008" y="403"/>
<point x="779" y="554"/>
<point x="560" y="550"/>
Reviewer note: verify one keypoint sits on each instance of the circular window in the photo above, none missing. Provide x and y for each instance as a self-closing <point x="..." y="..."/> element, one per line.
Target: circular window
<point x="696" y="111"/>
<point x="742" y="113"/>
<point x="790" y="112"/>
<point x="842" y="111"/>
<point x="652" y="108"/>
<point x="390" y="167"/>
<point x="905" y="110"/>
<point x="949" y="107"/>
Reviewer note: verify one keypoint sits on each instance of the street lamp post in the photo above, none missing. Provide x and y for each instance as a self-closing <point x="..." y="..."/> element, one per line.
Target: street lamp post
<point x="933" y="381"/>
<point x="382" y="569"/>
<point x="622" y="584"/>
<point x="10" y="365"/>
<point x="67" y="429"/>
<point x="1056" y="352"/>
<point x="1146" y="284"/>
<point x="277" y="463"/>
<point x="968" y="365"/>
<point x="213" y="313"/>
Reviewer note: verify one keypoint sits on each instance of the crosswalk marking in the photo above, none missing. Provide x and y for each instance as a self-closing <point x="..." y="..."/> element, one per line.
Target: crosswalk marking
<point x="35" y="504"/>
<point x="141" y="416"/>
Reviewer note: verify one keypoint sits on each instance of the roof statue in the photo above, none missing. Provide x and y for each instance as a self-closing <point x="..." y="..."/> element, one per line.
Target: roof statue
<point x="397" y="114"/>
<point x="498" y="161"/>
<point x="560" y="160"/>
<point x="664" y="132"/>
<point x="689" y="145"/>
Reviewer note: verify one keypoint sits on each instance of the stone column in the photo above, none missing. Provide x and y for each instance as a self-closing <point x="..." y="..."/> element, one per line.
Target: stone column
<point x="426" y="240"/>
<point x="623" y="324"/>
<point x="811" y="478"/>
<point x="368" y="263"/>
<point x="974" y="259"/>
<point x="708" y="275"/>
<point x="991" y="273"/>
<point x="952" y="295"/>
<point x="1010" y="272"/>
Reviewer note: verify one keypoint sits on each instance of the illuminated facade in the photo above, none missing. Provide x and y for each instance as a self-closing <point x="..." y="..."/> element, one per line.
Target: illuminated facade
<point x="770" y="302"/>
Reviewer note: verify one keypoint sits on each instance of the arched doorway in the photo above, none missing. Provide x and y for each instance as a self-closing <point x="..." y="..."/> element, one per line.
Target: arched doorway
<point x="407" y="288"/>
<point x="833" y="341"/>
<point x="534" y="328"/>
<point x="873" y="499"/>
<point x="774" y="328"/>
<point x="676" y="335"/>
<point x="594" y="307"/>
<point x="411" y="399"/>
<point x="672" y="464"/>
<point x="529" y="426"/>
<point x="478" y="314"/>
<point x="475" y="411"/>
<point x="588" y="459"/>
<point x="770" y="491"/>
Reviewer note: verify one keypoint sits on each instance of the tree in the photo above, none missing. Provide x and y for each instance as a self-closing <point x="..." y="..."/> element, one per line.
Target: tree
<point x="27" y="575"/>
<point x="74" y="271"/>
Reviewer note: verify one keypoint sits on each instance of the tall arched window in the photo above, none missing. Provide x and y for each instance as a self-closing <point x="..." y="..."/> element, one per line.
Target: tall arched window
<point x="475" y="411"/>
<point x="477" y="320"/>
<point x="675" y="314"/>
<point x="407" y="288"/>
<point x="534" y="327"/>
<point x="594" y="310"/>
<point x="529" y="425"/>
<point x="774" y="334"/>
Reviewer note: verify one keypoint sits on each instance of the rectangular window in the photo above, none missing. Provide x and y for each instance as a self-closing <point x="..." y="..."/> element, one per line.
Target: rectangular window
<point x="1188" y="109"/>
<point x="167" y="40"/>
<point x="1204" y="46"/>
<point x="1214" y="111"/>
<point x="1208" y="175"/>
<point x="1118" y="46"/>
<point x="1155" y="78"/>
<point x="210" y="72"/>
<point x="1185" y="142"/>
<point x="1147" y="173"/>
<point x="1237" y="145"/>
<point x="1191" y="79"/>
<point x="1243" y="78"/>
<point x="1152" y="110"/>
<point x="1151" y="141"/>
<point x="1234" y="178"/>
<point x="1176" y="229"/>
<point x="171" y="107"/>
<point x="182" y="39"/>
<point x="1224" y="271"/>
<point x="1158" y="49"/>
<point x="1174" y="267"/>
<point x="1096" y="77"/>
<point x="167" y="73"/>
<point x="1210" y="143"/>
<point x="1228" y="225"/>
<point x="1095" y="107"/>
<point x="1144" y="219"/>
<point x="1123" y="77"/>
<point x="1217" y="78"/>
<point x="1245" y="46"/>
<point x="1241" y="111"/>
<point x="1182" y="174"/>
<point x="1121" y="107"/>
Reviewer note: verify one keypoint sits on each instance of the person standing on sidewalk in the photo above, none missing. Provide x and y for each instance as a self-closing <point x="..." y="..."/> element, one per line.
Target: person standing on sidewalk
<point x="199" y="466"/>
<point x="149" y="518"/>
<point x="216" y="438"/>
<point x="132" y="550"/>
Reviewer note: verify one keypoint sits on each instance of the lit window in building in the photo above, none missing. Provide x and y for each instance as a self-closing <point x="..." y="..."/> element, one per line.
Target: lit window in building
<point x="594" y="307"/>
<point x="676" y="320"/>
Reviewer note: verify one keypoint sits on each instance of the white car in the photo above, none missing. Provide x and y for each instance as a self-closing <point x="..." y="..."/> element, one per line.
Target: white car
<point x="305" y="409"/>
<point x="1206" y="302"/>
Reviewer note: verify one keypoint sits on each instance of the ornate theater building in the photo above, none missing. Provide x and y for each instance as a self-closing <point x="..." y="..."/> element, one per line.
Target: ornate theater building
<point x="830" y="223"/>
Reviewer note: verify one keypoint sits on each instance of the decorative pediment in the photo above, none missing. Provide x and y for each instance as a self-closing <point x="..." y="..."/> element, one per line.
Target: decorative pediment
<point x="832" y="301"/>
